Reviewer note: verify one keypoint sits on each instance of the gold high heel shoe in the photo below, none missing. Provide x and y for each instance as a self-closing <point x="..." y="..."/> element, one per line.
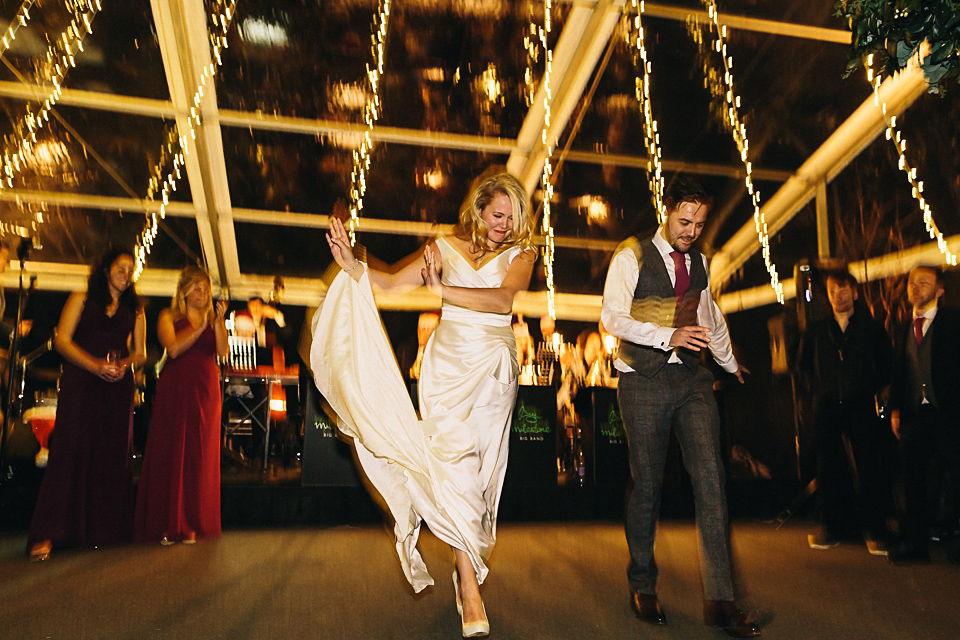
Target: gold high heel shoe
<point x="476" y="629"/>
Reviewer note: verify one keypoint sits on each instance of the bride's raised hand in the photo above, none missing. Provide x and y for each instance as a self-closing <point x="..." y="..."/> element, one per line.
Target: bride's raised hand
<point x="340" y="247"/>
<point x="431" y="276"/>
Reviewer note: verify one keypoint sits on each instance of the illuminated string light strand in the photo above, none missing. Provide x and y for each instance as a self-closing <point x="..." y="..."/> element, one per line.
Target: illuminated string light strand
<point x="635" y="38"/>
<point x="59" y="59"/>
<point x="531" y="43"/>
<point x="176" y="147"/>
<point x="371" y="113"/>
<point x="19" y="20"/>
<point x="721" y="85"/>
<point x="546" y="177"/>
<point x="900" y="144"/>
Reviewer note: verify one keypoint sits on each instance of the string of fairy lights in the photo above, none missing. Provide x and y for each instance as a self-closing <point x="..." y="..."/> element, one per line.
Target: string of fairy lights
<point x="59" y="59"/>
<point x="538" y="40"/>
<point x="176" y="146"/>
<point x="371" y="113"/>
<point x="900" y="143"/>
<point x="19" y="20"/>
<point x="635" y="38"/>
<point x="721" y="85"/>
<point x="531" y="43"/>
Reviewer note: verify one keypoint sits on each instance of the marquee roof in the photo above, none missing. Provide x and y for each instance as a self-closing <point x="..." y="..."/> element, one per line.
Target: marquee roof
<point x="281" y="120"/>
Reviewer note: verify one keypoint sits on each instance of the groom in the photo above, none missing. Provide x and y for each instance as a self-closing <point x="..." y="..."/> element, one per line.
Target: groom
<point x="657" y="300"/>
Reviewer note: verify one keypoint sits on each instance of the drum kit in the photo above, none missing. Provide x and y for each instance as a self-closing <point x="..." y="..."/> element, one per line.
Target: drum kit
<point x="14" y="366"/>
<point x="38" y="416"/>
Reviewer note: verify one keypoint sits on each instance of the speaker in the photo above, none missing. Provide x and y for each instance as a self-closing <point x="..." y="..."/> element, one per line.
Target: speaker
<point x="611" y="462"/>
<point x="533" y="439"/>
<point x="327" y="460"/>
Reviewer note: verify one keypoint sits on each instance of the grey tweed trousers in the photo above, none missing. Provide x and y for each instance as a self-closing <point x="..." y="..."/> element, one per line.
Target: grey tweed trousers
<point x="683" y="399"/>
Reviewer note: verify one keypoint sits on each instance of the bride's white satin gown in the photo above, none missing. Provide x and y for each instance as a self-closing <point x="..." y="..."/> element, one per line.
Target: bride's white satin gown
<point x="446" y="468"/>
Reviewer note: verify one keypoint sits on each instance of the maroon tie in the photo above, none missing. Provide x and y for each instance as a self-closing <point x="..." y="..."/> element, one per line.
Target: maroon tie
<point x="918" y="329"/>
<point x="682" y="281"/>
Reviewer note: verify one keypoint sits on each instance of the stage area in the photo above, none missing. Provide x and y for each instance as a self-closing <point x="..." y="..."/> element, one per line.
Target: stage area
<point x="547" y="581"/>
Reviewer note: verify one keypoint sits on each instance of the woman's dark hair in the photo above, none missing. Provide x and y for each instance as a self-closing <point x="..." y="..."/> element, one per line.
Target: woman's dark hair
<point x="98" y="290"/>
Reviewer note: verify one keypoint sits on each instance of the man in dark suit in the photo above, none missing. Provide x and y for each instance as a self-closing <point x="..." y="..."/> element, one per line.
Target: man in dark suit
<point x="657" y="300"/>
<point x="925" y="404"/>
<point x="844" y="360"/>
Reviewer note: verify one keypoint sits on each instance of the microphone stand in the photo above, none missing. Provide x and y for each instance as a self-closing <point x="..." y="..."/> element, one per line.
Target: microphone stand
<point x="6" y="473"/>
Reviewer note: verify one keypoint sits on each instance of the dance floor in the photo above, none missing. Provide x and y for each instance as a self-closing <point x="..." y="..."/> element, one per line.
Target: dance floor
<point x="547" y="581"/>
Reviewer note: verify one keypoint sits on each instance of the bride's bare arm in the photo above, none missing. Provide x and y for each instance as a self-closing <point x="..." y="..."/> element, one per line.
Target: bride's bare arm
<point x="406" y="278"/>
<point x="492" y="300"/>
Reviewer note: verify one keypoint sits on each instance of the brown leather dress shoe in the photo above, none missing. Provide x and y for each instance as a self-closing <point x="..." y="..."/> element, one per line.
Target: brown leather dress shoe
<point x="728" y="616"/>
<point x="647" y="608"/>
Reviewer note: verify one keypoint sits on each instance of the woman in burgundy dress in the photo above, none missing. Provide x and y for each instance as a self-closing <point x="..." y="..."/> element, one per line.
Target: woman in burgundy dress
<point x="86" y="498"/>
<point x="179" y="495"/>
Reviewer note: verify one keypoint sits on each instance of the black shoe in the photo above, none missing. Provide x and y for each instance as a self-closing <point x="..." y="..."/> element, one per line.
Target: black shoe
<point x="954" y="556"/>
<point x="647" y="608"/>
<point x="909" y="554"/>
<point x="728" y="616"/>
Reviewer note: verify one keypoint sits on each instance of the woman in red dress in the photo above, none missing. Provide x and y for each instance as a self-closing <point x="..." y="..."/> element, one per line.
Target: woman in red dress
<point x="179" y="495"/>
<point x="86" y="498"/>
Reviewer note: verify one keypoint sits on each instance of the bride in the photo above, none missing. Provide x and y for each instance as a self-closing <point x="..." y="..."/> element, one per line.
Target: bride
<point x="447" y="467"/>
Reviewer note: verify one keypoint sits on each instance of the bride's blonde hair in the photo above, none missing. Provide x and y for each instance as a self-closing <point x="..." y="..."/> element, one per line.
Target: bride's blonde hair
<point x="472" y="226"/>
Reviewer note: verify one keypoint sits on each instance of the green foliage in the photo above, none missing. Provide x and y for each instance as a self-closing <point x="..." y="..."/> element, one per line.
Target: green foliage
<point x="892" y="30"/>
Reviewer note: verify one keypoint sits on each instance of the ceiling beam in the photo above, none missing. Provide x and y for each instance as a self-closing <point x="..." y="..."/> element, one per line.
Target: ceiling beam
<point x="581" y="307"/>
<point x="734" y="171"/>
<point x="876" y="268"/>
<point x="185" y="48"/>
<point x="585" y="36"/>
<point x="265" y="216"/>
<point x="397" y="135"/>
<point x="853" y="136"/>
<point x="106" y="203"/>
<point x="744" y="23"/>
<point x="307" y="292"/>
<point x="90" y="100"/>
<point x="393" y="135"/>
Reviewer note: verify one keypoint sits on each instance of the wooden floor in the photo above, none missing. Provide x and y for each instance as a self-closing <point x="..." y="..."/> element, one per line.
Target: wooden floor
<point x="547" y="581"/>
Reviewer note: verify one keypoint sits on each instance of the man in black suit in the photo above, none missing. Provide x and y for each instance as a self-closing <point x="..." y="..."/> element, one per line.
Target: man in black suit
<point x="845" y="361"/>
<point x="926" y="407"/>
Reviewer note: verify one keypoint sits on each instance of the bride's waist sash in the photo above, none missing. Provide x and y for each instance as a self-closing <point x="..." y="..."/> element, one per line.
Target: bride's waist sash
<point x="461" y="314"/>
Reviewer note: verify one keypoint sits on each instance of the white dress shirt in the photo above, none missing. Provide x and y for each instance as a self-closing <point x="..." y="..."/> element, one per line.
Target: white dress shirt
<point x="618" y="291"/>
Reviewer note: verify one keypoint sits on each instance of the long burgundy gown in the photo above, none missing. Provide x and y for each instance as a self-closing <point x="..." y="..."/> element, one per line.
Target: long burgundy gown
<point x="86" y="498"/>
<point x="179" y="492"/>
